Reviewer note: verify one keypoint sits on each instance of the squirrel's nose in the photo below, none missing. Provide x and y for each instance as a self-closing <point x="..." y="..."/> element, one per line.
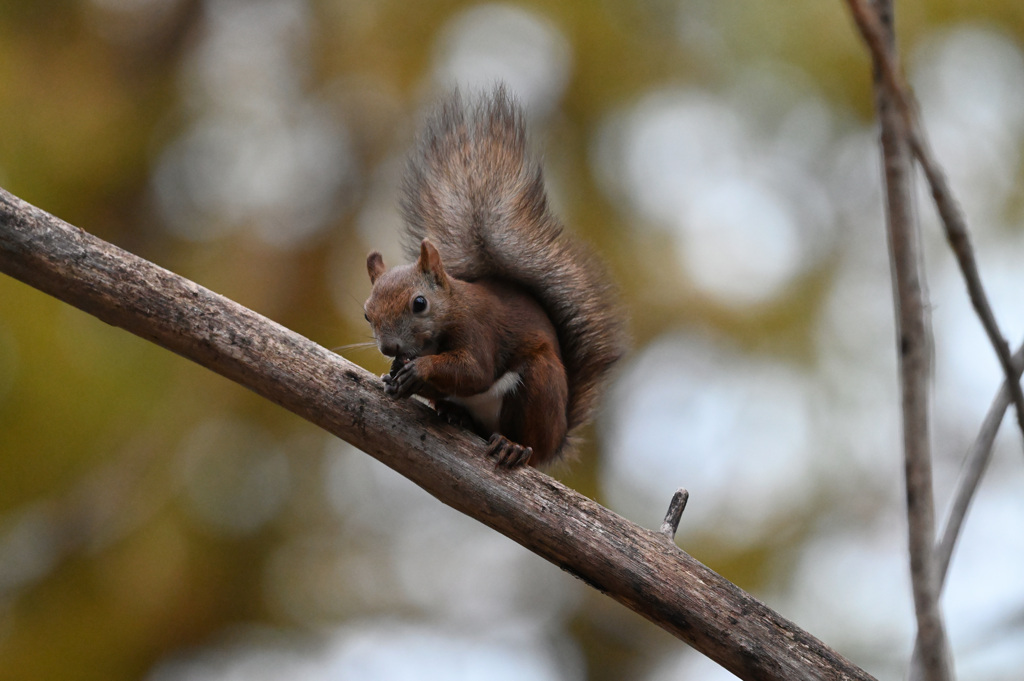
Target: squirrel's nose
<point x="391" y="348"/>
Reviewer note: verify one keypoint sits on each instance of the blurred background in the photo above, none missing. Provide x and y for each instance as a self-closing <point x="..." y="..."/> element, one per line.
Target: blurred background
<point x="158" y="522"/>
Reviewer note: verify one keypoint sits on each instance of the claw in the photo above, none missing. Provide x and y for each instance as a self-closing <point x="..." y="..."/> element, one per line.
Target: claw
<point x="509" y="454"/>
<point x="404" y="382"/>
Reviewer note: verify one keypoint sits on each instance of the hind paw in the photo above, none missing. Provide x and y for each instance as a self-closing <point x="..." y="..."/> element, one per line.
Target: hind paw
<point x="508" y="454"/>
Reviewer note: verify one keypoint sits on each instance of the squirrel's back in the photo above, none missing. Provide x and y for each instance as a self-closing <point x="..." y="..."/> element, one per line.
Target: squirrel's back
<point x="472" y="188"/>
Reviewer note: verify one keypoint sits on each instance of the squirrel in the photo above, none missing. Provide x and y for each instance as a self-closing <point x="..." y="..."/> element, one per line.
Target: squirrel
<point x="504" y="322"/>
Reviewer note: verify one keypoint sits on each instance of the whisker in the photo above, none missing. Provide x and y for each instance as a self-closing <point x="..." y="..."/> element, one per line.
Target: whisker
<point x="366" y="344"/>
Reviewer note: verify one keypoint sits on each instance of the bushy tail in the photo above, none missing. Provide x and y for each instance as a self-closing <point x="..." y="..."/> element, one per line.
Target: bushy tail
<point x="472" y="188"/>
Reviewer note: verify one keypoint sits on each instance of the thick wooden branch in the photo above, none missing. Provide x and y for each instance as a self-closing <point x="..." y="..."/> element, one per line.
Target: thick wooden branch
<point x="637" y="567"/>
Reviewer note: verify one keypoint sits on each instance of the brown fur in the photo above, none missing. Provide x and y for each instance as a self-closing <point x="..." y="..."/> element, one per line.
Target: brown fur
<point x="517" y="294"/>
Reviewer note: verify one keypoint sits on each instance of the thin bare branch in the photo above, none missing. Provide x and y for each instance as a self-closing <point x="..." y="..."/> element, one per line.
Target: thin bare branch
<point x="975" y="463"/>
<point x="633" y="565"/>
<point x="950" y="213"/>
<point x="914" y="344"/>
<point x="974" y="467"/>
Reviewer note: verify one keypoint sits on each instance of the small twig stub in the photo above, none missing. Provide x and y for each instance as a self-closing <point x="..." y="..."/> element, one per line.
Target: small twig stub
<point x="675" y="512"/>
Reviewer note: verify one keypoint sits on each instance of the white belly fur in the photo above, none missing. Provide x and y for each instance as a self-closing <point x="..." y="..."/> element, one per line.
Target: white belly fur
<point x="486" y="406"/>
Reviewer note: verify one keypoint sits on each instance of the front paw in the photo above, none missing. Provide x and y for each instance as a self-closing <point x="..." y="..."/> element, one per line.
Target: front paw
<point x="404" y="382"/>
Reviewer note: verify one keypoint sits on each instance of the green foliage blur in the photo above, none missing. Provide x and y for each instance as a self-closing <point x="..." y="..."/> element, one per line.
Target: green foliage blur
<point x="106" y="568"/>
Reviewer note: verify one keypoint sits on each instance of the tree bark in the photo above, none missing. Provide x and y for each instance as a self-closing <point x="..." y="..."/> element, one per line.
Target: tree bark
<point x="640" y="568"/>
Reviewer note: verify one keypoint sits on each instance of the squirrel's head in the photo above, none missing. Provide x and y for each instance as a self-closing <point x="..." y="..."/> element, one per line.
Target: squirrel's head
<point x="409" y="304"/>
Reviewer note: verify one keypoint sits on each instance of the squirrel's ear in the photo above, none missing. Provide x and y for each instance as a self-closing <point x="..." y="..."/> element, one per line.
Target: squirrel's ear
<point x="375" y="265"/>
<point x="430" y="263"/>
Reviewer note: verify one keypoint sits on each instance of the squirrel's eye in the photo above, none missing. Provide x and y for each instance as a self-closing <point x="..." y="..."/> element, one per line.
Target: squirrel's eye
<point x="366" y="316"/>
<point x="419" y="304"/>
